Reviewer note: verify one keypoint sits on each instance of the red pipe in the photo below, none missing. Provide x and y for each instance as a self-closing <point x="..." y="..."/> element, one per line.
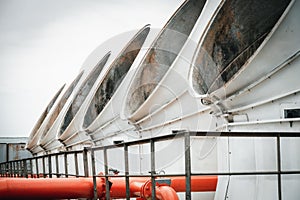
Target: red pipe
<point x="51" y="188"/>
<point x="72" y="188"/>
<point x="118" y="188"/>
<point x="141" y="186"/>
<point x="166" y="193"/>
<point x="198" y="183"/>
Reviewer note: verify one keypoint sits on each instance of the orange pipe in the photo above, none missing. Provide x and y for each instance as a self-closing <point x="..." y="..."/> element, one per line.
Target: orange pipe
<point x="198" y="183"/>
<point x="49" y="188"/>
<point x="118" y="188"/>
<point x="166" y="193"/>
<point x="72" y="188"/>
<point x="141" y="186"/>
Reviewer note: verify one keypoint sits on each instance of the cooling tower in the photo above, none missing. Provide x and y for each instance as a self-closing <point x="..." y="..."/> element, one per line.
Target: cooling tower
<point x="98" y="111"/>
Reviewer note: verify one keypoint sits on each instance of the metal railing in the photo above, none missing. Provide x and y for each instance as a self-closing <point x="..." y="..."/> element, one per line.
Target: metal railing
<point x="30" y="168"/>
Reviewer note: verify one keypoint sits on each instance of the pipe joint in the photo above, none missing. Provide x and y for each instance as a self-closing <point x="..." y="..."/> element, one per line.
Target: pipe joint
<point x="163" y="190"/>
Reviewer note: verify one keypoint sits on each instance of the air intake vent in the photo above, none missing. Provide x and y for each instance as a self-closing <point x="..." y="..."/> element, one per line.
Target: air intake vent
<point x="292" y="113"/>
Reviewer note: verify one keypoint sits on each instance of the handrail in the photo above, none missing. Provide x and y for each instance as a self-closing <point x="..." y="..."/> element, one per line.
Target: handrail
<point x="24" y="167"/>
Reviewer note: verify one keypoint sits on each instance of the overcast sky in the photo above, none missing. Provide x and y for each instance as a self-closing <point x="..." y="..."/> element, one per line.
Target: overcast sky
<point x="43" y="44"/>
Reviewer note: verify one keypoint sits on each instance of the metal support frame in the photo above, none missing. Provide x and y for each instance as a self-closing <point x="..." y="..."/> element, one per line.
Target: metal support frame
<point x="94" y="175"/>
<point x="25" y="171"/>
<point x="126" y="159"/>
<point x="44" y="167"/>
<point x="66" y="164"/>
<point x="57" y="166"/>
<point x="107" y="189"/>
<point x="37" y="167"/>
<point x="14" y="169"/>
<point x="279" y="167"/>
<point x="50" y="166"/>
<point x="10" y="169"/>
<point x="187" y="154"/>
<point x="85" y="162"/>
<point x="31" y="168"/>
<point x="152" y="151"/>
<point x="76" y="164"/>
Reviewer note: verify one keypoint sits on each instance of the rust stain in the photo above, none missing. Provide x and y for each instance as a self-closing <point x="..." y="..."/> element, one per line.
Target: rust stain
<point x="237" y="31"/>
<point x="163" y="52"/>
<point x="83" y="92"/>
<point x="115" y="76"/>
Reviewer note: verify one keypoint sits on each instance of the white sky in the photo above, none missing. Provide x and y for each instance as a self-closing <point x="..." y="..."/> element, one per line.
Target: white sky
<point x="43" y="44"/>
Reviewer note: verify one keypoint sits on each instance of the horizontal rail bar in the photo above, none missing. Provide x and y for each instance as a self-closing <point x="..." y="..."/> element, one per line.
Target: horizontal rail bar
<point x="180" y="134"/>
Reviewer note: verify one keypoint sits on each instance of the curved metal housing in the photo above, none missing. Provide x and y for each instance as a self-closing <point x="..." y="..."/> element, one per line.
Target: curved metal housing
<point x="105" y="106"/>
<point x="233" y="37"/>
<point x="162" y="54"/>
<point x="82" y="94"/>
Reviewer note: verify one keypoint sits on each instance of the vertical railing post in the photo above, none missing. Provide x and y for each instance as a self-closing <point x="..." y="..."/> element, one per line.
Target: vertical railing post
<point x="10" y="169"/>
<point x="76" y="164"/>
<point x="152" y="154"/>
<point x="57" y="166"/>
<point x="25" y="171"/>
<point x="14" y="168"/>
<point x="44" y="167"/>
<point x="66" y="164"/>
<point x="31" y="170"/>
<point x="3" y="170"/>
<point x="107" y="189"/>
<point x="37" y="167"/>
<point x="187" y="147"/>
<point x="19" y="169"/>
<point x="85" y="162"/>
<point x="94" y="175"/>
<point x="6" y="169"/>
<point x="279" y="166"/>
<point x="50" y="166"/>
<point x="126" y="160"/>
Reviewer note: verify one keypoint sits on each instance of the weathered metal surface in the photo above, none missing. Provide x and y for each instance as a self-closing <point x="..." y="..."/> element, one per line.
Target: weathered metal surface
<point x="164" y="51"/>
<point x="234" y="35"/>
<point x="114" y="77"/>
<point x="83" y="92"/>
